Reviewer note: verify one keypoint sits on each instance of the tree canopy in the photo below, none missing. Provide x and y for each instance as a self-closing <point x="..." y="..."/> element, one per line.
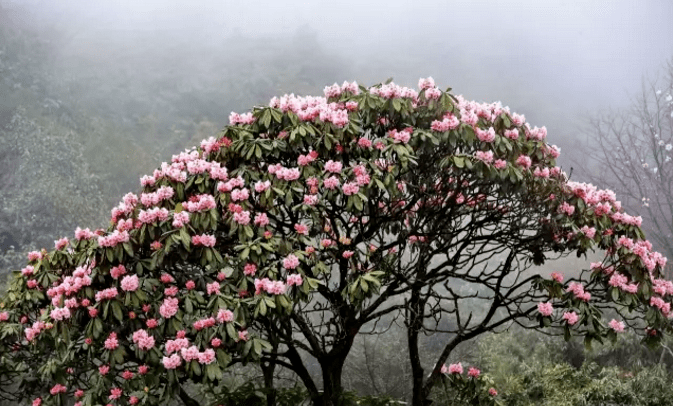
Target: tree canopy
<point x="314" y="219"/>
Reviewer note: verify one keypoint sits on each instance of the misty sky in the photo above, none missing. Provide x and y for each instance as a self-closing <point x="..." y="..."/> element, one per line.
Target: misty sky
<point x="577" y="55"/>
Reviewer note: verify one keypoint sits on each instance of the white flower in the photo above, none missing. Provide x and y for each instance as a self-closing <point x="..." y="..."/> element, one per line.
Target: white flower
<point x="658" y="92"/>
<point x="669" y="147"/>
<point x="669" y="98"/>
<point x="661" y="142"/>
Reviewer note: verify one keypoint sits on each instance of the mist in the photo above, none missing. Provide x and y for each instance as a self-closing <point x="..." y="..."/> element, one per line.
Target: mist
<point x="554" y="61"/>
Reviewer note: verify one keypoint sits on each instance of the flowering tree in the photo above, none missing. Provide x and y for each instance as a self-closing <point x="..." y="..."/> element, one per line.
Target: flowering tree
<point x="304" y="224"/>
<point x="634" y="149"/>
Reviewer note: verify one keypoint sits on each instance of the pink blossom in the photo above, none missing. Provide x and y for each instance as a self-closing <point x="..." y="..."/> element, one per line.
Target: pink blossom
<point x="243" y="335"/>
<point x="106" y="294"/>
<point x="225" y="316"/>
<point x="310" y="200"/>
<point x="473" y="372"/>
<point x="262" y="186"/>
<point x="204" y="239"/>
<point x="347" y="254"/>
<point x="207" y="357"/>
<point x="523" y="161"/>
<point x="485" y="135"/>
<point x="189" y="354"/>
<point x="301" y="229"/>
<point x="180" y="219"/>
<point x="426" y="83"/>
<point x="130" y="283"/>
<point x="290" y="262"/>
<point x="172" y="362"/>
<point x="617" y="326"/>
<point x="240" y="194"/>
<point x="56" y="389"/>
<point x="242" y="218"/>
<point x="350" y="188"/>
<point x="571" y="317"/>
<point x="558" y="277"/>
<point x="512" y="134"/>
<point x="261" y="220"/>
<point x="169" y="307"/>
<point x="294" y="280"/>
<point x="213" y="288"/>
<point x="484" y="156"/>
<point x="500" y="164"/>
<point x="176" y="345"/>
<point x="117" y="271"/>
<point x="143" y="340"/>
<point x="331" y="183"/>
<point x="333" y="166"/>
<point x="111" y="342"/>
<point x="364" y="143"/>
<point x="249" y="269"/>
<point x="432" y="93"/>
<point x="456" y="368"/>
<point x="545" y="308"/>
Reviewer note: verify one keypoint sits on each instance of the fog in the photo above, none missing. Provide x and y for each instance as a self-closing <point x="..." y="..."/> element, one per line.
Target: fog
<point x="551" y="60"/>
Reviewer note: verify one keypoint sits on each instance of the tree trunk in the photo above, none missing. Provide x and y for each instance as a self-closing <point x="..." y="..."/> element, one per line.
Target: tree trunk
<point x="332" y="368"/>
<point x="267" y="371"/>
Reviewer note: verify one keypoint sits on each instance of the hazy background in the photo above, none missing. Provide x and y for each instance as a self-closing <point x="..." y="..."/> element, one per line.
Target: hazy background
<point x="95" y="94"/>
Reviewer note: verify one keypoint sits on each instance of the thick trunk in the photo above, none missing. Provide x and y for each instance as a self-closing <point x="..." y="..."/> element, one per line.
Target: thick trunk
<point x="267" y="371"/>
<point x="332" y="368"/>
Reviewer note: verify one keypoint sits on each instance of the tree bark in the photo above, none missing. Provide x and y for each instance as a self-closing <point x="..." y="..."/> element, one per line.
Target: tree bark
<point x="332" y="368"/>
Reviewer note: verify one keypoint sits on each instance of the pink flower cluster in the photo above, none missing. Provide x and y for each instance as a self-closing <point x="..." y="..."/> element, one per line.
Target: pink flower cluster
<point x="294" y="280"/>
<point x="578" y="290"/>
<point x="106" y="294"/>
<point x="262" y="186"/>
<point x="130" y="283"/>
<point x="449" y="122"/>
<point x="204" y="239"/>
<point x="59" y="314"/>
<point x="152" y="215"/>
<point x="199" y="203"/>
<point x="571" y="318"/>
<point x="304" y="160"/>
<point x="269" y="286"/>
<point x="116" y="237"/>
<point x="283" y="173"/>
<point x="393" y="91"/>
<point x="169" y="307"/>
<point x="180" y="219"/>
<point x="401" y="137"/>
<point x="333" y="166"/>
<point x="153" y="199"/>
<point x="484" y="156"/>
<point x="85" y="234"/>
<point x="485" y="135"/>
<point x="545" y="308"/>
<point x="235" y="118"/>
<point x="350" y="188"/>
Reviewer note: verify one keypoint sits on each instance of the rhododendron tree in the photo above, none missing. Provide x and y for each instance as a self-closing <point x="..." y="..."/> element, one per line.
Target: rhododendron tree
<point x="307" y="221"/>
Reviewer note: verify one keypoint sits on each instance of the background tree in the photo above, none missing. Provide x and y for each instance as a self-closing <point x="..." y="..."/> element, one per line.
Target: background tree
<point x="631" y="150"/>
<point x="311" y="220"/>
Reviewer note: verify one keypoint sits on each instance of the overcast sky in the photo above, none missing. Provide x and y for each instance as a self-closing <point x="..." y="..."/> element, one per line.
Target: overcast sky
<point x="579" y="55"/>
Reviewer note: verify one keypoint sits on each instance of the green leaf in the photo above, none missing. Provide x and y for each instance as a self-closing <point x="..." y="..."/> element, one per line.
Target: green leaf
<point x="459" y="161"/>
<point x="117" y="311"/>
